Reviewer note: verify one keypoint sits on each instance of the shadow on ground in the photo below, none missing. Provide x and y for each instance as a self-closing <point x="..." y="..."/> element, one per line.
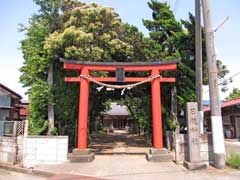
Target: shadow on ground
<point x="118" y="142"/>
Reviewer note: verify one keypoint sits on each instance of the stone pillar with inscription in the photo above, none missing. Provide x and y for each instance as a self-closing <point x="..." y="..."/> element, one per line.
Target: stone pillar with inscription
<point x="193" y="161"/>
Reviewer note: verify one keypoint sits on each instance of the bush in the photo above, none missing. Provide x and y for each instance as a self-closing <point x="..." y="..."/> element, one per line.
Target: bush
<point x="234" y="160"/>
<point x="172" y="124"/>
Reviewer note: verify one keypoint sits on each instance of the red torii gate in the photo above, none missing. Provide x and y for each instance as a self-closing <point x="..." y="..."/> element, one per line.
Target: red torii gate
<point x="153" y="67"/>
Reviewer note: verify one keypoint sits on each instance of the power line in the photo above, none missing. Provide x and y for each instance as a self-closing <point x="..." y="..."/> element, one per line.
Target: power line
<point x="229" y="79"/>
<point x="235" y="74"/>
<point x="221" y="23"/>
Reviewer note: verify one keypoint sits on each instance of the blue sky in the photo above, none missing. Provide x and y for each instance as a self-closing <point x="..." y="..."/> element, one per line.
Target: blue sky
<point x="13" y="12"/>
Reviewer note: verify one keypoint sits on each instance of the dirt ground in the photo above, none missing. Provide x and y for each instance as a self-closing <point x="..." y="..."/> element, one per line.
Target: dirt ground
<point x="118" y="142"/>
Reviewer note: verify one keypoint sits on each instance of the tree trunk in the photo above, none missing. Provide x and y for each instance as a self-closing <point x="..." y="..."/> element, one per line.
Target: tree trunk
<point x="50" y="105"/>
<point x="134" y="118"/>
<point x="174" y="108"/>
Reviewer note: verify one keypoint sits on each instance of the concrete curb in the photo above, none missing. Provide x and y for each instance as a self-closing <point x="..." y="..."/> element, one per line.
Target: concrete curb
<point x="27" y="171"/>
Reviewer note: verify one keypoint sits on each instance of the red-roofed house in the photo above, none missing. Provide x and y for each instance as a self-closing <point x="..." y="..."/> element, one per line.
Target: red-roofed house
<point x="23" y="110"/>
<point x="9" y="103"/>
<point x="11" y="107"/>
<point x="230" y="118"/>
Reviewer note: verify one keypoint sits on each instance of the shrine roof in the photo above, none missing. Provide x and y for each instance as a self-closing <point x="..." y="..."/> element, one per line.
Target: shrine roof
<point x="152" y="63"/>
<point x="117" y="110"/>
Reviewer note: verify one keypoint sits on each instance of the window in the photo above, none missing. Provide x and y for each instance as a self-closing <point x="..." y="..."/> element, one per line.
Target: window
<point x="8" y="128"/>
<point x="5" y="101"/>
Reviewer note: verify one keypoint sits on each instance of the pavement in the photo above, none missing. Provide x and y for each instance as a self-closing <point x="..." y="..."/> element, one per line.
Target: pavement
<point x="115" y="159"/>
<point x="12" y="175"/>
<point x="135" y="167"/>
<point x="121" y="167"/>
<point x="121" y="156"/>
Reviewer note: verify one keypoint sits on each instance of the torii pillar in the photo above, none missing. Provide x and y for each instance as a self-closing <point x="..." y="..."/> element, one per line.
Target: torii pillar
<point x="83" y="112"/>
<point x="156" y="112"/>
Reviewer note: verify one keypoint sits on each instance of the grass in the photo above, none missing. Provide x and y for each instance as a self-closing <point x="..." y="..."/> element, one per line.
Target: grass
<point x="234" y="160"/>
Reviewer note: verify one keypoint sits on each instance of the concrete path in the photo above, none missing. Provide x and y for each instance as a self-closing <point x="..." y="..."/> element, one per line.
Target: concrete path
<point x="68" y="176"/>
<point x="11" y="175"/>
<point x="121" y="156"/>
<point x="135" y="167"/>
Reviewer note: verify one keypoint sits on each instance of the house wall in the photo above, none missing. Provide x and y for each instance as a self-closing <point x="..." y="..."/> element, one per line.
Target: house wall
<point x="226" y="124"/>
<point x="238" y="126"/>
<point x="226" y="120"/>
<point x="8" y="102"/>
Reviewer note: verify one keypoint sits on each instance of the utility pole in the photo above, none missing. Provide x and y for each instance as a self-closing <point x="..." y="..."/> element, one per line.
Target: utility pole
<point x="216" y="117"/>
<point x="198" y="62"/>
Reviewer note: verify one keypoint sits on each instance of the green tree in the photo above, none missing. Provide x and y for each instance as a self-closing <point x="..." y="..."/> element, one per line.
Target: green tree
<point x="177" y="39"/>
<point x="165" y="30"/>
<point x="85" y="32"/>
<point x="41" y="25"/>
<point x="34" y="74"/>
<point x="234" y="94"/>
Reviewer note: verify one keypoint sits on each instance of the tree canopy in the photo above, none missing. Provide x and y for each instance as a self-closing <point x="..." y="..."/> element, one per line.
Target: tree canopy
<point x="234" y="94"/>
<point x="177" y="39"/>
<point x="90" y="32"/>
<point x="85" y="32"/>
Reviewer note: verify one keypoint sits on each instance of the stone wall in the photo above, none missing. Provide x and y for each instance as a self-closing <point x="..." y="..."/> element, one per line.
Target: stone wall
<point x="44" y="150"/>
<point x="206" y="148"/>
<point x="178" y="143"/>
<point x="20" y="149"/>
<point x="8" y="150"/>
<point x="32" y="150"/>
<point x="232" y="147"/>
